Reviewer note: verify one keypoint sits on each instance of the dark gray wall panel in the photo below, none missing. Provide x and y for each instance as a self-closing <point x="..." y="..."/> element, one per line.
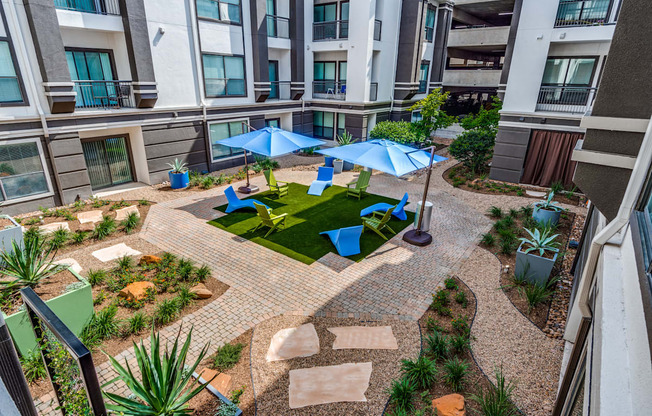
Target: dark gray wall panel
<point x="509" y="154"/>
<point x="258" y="14"/>
<point x="605" y="186"/>
<point x="164" y="143"/>
<point x="499" y="174"/>
<point x="618" y="142"/>
<point x="444" y="21"/>
<point x="297" y="42"/>
<point x="409" y="49"/>
<point x="511" y="39"/>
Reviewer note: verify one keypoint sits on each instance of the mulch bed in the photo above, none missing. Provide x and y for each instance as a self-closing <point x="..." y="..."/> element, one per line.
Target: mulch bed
<point x="6" y="223"/>
<point x="47" y="289"/>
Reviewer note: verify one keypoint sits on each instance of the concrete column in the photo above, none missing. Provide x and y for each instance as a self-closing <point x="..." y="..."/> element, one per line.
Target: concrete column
<point x="442" y="28"/>
<point x="361" y="49"/>
<point x="297" y="54"/>
<point x="262" y="87"/>
<point x="134" y="21"/>
<point x="413" y="15"/>
<point x="44" y="27"/>
<point x="509" y="51"/>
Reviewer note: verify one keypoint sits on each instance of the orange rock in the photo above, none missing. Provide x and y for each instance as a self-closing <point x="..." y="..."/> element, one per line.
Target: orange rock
<point x="221" y="383"/>
<point x="149" y="260"/>
<point x="451" y="405"/>
<point x="136" y="290"/>
<point x="201" y="291"/>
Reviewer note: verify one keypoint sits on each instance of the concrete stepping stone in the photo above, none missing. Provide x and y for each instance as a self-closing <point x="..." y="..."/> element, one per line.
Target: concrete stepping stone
<point x="290" y="343"/>
<point x="221" y="383"/>
<point x="332" y="384"/>
<point x="122" y="213"/>
<point x="364" y="337"/>
<point x="115" y="252"/>
<point x="536" y="194"/>
<point x="74" y="265"/>
<point x="53" y="226"/>
<point x="90" y="216"/>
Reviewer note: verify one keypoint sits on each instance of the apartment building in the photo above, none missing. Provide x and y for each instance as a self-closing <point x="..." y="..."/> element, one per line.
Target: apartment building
<point x="608" y="365"/>
<point x="102" y="93"/>
<point x="558" y="55"/>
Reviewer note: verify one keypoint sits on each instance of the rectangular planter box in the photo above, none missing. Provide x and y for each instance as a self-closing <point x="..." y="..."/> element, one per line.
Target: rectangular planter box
<point x="74" y="308"/>
<point x="539" y="269"/>
<point x="10" y="234"/>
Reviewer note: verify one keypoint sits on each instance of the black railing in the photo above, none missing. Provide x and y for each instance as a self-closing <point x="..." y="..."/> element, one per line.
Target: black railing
<point x="373" y="91"/>
<point x="104" y="94"/>
<point x="335" y="29"/>
<point x="330" y="90"/>
<point x="89" y="6"/>
<point x="279" y="90"/>
<point x="565" y="99"/>
<point x="583" y="13"/>
<point x="378" y="27"/>
<point x="278" y="27"/>
<point x="423" y="87"/>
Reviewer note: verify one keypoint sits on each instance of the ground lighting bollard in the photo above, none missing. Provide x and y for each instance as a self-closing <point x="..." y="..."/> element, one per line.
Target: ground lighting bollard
<point x="12" y="375"/>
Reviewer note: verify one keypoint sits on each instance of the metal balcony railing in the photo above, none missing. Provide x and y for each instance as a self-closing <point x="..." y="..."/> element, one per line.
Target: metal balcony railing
<point x="104" y="94"/>
<point x="565" y="99"/>
<point x="330" y="90"/>
<point x="90" y="6"/>
<point x="278" y="27"/>
<point x="280" y="90"/>
<point x="583" y="13"/>
<point x="335" y="29"/>
<point x="373" y="91"/>
<point x="378" y="27"/>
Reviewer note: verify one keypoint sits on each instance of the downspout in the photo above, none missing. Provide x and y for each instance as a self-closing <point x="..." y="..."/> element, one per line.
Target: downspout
<point x="634" y="187"/>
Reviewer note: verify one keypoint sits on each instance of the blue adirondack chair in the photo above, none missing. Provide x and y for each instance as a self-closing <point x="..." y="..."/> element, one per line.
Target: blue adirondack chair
<point x="399" y="212"/>
<point x="235" y="203"/>
<point x="324" y="180"/>
<point x="346" y="240"/>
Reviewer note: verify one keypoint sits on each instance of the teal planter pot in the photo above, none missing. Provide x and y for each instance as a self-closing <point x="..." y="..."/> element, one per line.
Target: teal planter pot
<point x="347" y="166"/>
<point x="536" y="269"/>
<point x="179" y="180"/>
<point x="546" y="217"/>
<point x="74" y="308"/>
<point x="9" y="234"/>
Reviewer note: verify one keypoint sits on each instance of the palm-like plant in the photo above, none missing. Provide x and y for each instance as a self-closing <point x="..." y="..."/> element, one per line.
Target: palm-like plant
<point x="27" y="265"/>
<point x="548" y="204"/>
<point x="165" y="385"/>
<point x="540" y="241"/>
<point x="345" y="139"/>
<point x="178" y="166"/>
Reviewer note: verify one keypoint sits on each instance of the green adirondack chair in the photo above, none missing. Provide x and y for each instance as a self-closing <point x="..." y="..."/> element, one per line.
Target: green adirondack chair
<point x="378" y="222"/>
<point x="361" y="185"/>
<point x="279" y="187"/>
<point x="267" y="219"/>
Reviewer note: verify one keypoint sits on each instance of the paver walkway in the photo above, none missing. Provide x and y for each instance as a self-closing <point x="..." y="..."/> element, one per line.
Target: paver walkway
<point x="395" y="282"/>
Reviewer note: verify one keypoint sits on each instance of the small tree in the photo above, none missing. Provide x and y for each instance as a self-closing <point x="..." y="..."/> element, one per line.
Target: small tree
<point x="433" y="117"/>
<point x="398" y="131"/>
<point x="485" y="119"/>
<point x="473" y="148"/>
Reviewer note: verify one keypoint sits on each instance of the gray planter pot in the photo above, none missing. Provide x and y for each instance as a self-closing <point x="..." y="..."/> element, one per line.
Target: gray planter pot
<point x="337" y="166"/>
<point x="546" y="217"/>
<point x="347" y="166"/>
<point x="9" y="234"/>
<point x="535" y="268"/>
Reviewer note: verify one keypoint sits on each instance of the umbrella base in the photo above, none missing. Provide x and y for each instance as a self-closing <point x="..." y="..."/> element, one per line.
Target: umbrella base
<point x="248" y="189"/>
<point x="417" y="238"/>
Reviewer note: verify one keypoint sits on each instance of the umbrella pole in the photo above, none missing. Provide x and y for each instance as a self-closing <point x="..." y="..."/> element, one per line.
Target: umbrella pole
<point x="418" y="237"/>
<point x="247" y="189"/>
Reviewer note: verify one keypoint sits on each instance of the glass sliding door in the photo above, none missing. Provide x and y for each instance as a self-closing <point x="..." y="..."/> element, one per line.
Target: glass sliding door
<point x="107" y="161"/>
<point x="323" y="124"/>
<point x="87" y="69"/>
<point x="325" y="76"/>
<point x="273" y="79"/>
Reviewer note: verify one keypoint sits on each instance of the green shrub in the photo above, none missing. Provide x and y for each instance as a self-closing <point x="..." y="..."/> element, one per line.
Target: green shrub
<point x="33" y="366"/>
<point x="460" y="298"/>
<point x="488" y="239"/>
<point x="455" y="373"/>
<point x="168" y="259"/>
<point x="144" y="202"/>
<point x="460" y="343"/>
<point x="96" y="277"/>
<point x="185" y="269"/>
<point x="119" y="204"/>
<point x="79" y="236"/>
<point x="443" y="310"/>
<point x="495" y="212"/>
<point x="103" y="324"/>
<point x="433" y="325"/>
<point x="536" y="294"/>
<point x="421" y="372"/>
<point x="401" y="394"/>
<point x="437" y="345"/>
<point x="557" y="187"/>
<point x="440" y="298"/>
<point x="104" y="228"/>
<point x="485" y="119"/>
<point x="166" y="311"/>
<point x="136" y="323"/>
<point x="184" y="297"/>
<point x="227" y="356"/>
<point x="27" y="264"/>
<point x="398" y="131"/>
<point x="202" y="273"/>
<point x="473" y="148"/>
<point x="59" y="238"/>
<point x="265" y="163"/>
<point x="460" y="324"/>
<point x="451" y="283"/>
<point x="125" y="263"/>
<point x="130" y="223"/>
<point x="432" y="115"/>
<point x="99" y="298"/>
<point x="496" y="400"/>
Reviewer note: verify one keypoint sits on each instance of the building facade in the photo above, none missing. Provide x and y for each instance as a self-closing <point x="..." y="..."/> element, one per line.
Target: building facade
<point x="557" y="59"/>
<point x="100" y="93"/>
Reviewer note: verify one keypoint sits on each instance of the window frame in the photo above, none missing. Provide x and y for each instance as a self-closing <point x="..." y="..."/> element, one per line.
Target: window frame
<point x="337" y="11"/>
<point x="244" y="70"/>
<point x="212" y="19"/>
<point x="427" y="74"/>
<point x="434" y="24"/>
<point x="46" y="172"/>
<point x="210" y="142"/>
<point x="98" y="50"/>
<point x="596" y="59"/>
<point x="334" y="127"/>
<point x="21" y="85"/>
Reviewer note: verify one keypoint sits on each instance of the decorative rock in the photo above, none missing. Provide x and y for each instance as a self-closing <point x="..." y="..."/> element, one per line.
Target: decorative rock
<point x="122" y="213"/>
<point x="90" y="216"/>
<point x="54" y="226"/>
<point x="450" y="405"/>
<point x="136" y="290"/>
<point x="147" y="259"/>
<point x="115" y="252"/>
<point x="536" y="194"/>
<point x="288" y="343"/>
<point x="362" y="337"/>
<point x="89" y="226"/>
<point x="331" y="384"/>
<point x="201" y="291"/>
<point x="221" y="383"/>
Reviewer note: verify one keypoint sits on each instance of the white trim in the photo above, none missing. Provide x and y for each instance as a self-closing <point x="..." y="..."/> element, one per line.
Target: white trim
<point x="210" y="143"/>
<point x="543" y="114"/>
<point x="145" y="91"/>
<point x="144" y="83"/>
<point x="61" y="93"/>
<point x="538" y="126"/>
<point x="633" y="125"/>
<point x="44" y="165"/>
<point x="603" y="159"/>
<point x="58" y="84"/>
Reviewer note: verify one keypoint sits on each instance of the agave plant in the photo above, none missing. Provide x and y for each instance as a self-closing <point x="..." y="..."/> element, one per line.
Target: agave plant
<point x="178" y="166"/>
<point x="345" y="138"/>
<point x="165" y="385"/>
<point x="548" y="204"/>
<point x="27" y="264"/>
<point x="540" y="241"/>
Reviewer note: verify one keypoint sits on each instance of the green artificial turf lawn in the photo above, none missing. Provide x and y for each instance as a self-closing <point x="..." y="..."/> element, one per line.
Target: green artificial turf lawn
<point x="309" y="215"/>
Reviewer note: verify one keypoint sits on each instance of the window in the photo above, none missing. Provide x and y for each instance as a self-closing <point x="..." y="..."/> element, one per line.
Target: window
<point x="416" y="116"/>
<point x="224" y="75"/>
<point x="10" y="89"/>
<point x="341" y="124"/>
<point x="325" y="76"/>
<point x="344" y="17"/>
<point x="21" y="170"/>
<point x="224" y="10"/>
<point x="423" y="77"/>
<point x="430" y="24"/>
<point x="325" y="13"/>
<point x="273" y="122"/>
<point x="582" y="12"/>
<point x="569" y="71"/>
<point x="221" y="131"/>
<point x="323" y="124"/>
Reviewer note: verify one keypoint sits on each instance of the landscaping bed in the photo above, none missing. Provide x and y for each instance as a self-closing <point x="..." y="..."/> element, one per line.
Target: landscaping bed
<point x="47" y="289"/>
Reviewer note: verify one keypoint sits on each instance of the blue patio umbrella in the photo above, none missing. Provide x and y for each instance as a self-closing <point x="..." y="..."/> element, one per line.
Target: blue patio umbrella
<point x="395" y="159"/>
<point x="270" y="142"/>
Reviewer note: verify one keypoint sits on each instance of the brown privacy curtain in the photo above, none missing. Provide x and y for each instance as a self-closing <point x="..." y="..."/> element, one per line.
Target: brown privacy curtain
<point x="549" y="158"/>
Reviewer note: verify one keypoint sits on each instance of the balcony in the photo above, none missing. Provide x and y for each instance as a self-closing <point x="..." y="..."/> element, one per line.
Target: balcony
<point x="378" y="27"/>
<point x="89" y="6"/>
<point x="482" y="36"/>
<point x="565" y="99"/>
<point x="278" y="27"/>
<point x="472" y="77"/>
<point x="279" y="90"/>
<point x="335" y="29"/>
<point x="373" y="92"/>
<point x="329" y="90"/>
<point x="104" y="94"/>
<point x="583" y="13"/>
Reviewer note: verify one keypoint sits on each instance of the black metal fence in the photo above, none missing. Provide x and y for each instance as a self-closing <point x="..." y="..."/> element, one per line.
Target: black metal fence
<point x="90" y="6"/>
<point x="331" y="90"/>
<point x="279" y="90"/>
<point x="335" y="29"/>
<point x="565" y="99"/>
<point x="278" y="27"/>
<point x="583" y="13"/>
<point x="104" y="94"/>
